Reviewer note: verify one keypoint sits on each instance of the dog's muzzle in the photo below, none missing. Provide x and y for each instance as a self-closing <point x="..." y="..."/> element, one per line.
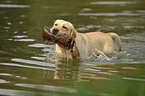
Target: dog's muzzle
<point x="55" y="31"/>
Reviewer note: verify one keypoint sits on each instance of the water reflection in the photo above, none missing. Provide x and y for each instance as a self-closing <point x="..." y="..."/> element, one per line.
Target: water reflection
<point x="68" y="70"/>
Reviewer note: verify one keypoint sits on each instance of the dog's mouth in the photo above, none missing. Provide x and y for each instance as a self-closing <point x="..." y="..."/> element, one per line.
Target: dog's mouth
<point x="65" y="41"/>
<point x="62" y="39"/>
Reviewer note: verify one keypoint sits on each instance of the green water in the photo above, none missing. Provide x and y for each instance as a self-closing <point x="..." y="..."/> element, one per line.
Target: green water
<point x="24" y="70"/>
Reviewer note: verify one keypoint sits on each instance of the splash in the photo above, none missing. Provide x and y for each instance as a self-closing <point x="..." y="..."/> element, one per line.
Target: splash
<point x="100" y="56"/>
<point x="108" y="58"/>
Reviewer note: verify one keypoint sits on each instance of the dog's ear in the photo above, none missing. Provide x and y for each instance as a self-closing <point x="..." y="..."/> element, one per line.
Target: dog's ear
<point x="73" y="32"/>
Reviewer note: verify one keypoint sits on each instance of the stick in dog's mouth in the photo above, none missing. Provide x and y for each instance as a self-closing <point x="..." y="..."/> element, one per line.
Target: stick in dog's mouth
<point x="65" y="41"/>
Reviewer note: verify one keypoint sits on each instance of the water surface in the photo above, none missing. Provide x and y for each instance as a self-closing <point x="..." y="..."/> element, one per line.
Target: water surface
<point x="24" y="69"/>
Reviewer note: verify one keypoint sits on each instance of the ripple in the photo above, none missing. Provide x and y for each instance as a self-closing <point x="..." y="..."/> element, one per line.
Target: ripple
<point x="135" y="37"/>
<point x="6" y="17"/>
<point x="82" y="29"/>
<point x="24" y="32"/>
<point x="39" y="58"/>
<point x="92" y="76"/>
<point x="129" y="27"/>
<point x="4" y="81"/>
<point x="88" y="27"/>
<point x="15" y="31"/>
<point x="22" y="16"/>
<point x="48" y="87"/>
<point x="10" y="39"/>
<point x="26" y="40"/>
<point x="14" y="6"/>
<point x="45" y="58"/>
<point x="9" y="92"/>
<point x="86" y="9"/>
<point x="65" y="14"/>
<point x="9" y="23"/>
<point x="40" y="45"/>
<point x="33" y="62"/>
<point x="47" y="49"/>
<point x="106" y="73"/>
<point x="113" y="71"/>
<point x="136" y="79"/>
<point x="25" y="66"/>
<point x="6" y="1"/>
<point x="21" y="77"/>
<point x="6" y="27"/>
<point x="21" y="22"/>
<point x="90" y="69"/>
<point x="108" y="14"/>
<point x="94" y="26"/>
<point x="112" y="2"/>
<point x="128" y="68"/>
<point x="5" y="74"/>
<point x="20" y="36"/>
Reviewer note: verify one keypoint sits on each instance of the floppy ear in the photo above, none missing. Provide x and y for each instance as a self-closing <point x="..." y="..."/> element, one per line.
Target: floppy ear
<point x="73" y="32"/>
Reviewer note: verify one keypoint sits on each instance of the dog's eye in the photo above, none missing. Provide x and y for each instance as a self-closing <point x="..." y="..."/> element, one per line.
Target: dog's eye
<point x="56" y="24"/>
<point x="64" y="27"/>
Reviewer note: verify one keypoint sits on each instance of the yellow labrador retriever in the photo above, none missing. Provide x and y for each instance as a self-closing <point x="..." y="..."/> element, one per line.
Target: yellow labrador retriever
<point x="87" y="43"/>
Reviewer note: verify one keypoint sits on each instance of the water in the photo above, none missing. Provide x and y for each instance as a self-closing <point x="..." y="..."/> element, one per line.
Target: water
<point x="25" y="70"/>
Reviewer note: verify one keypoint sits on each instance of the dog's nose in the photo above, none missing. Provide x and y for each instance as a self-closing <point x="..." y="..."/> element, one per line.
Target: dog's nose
<point x="55" y="31"/>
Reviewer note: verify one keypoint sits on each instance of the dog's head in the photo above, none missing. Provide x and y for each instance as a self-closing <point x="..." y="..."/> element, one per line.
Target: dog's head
<point x="63" y="27"/>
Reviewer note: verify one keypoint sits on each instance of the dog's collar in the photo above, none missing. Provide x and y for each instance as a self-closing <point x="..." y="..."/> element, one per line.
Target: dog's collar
<point x="75" y="52"/>
<point x="71" y="50"/>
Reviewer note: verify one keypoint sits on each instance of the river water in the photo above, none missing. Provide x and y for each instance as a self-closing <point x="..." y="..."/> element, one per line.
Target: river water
<point x="26" y="64"/>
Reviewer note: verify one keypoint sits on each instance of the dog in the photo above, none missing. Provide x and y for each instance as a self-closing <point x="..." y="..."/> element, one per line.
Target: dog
<point x="87" y="43"/>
